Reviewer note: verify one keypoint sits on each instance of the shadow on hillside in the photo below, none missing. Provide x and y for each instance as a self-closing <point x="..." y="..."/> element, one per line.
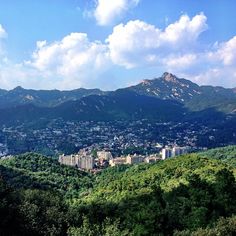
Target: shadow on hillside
<point x="19" y="180"/>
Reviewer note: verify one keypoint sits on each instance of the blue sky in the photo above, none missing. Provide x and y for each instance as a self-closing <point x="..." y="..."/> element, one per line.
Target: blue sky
<point x="67" y="44"/>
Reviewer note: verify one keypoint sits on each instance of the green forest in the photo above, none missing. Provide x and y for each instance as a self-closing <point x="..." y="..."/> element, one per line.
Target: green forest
<point x="193" y="194"/>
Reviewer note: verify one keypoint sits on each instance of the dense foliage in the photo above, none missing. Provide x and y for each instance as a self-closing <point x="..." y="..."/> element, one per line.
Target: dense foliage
<point x="226" y="155"/>
<point x="189" y="195"/>
<point x="224" y="227"/>
<point x="40" y="172"/>
<point x="31" y="212"/>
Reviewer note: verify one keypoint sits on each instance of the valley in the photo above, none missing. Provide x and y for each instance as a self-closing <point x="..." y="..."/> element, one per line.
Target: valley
<point x="165" y="110"/>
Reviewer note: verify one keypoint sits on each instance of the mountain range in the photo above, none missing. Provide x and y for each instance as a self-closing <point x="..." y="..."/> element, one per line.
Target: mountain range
<point x="165" y="98"/>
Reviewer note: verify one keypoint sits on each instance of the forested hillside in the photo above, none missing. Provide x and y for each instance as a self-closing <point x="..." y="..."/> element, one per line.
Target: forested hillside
<point x="34" y="171"/>
<point x="227" y="155"/>
<point x="189" y="195"/>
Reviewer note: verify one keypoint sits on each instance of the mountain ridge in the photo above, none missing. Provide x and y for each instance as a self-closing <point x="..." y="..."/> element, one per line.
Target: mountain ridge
<point x="46" y="98"/>
<point x="166" y="87"/>
<point x="164" y="99"/>
<point x="97" y="107"/>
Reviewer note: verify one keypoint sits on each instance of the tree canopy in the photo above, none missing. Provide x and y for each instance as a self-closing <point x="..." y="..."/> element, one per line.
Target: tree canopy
<point x="193" y="194"/>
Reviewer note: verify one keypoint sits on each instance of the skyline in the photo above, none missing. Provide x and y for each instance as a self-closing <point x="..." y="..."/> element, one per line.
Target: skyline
<point x="108" y="45"/>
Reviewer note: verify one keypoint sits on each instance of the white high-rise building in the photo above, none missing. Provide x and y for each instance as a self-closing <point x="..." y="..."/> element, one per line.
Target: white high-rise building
<point x="69" y="160"/>
<point x="176" y="151"/>
<point x="172" y="152"/>
<point x="166" y="153"/>
<point x="104" y="155"/>
<point x="83" y="160"/>
<point x="86" y="162"/>
<point x="134" y="159"/>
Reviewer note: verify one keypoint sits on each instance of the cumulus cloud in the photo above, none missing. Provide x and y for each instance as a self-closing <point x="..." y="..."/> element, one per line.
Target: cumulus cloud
<point x="180" y="61"/>
<point x="74" y="60"/>
<point x="176" y="48"/>
<point x="108" y="10"/>
<point x="138" y="43"/>
<point x="12" y="75"/>
<point x="218" y="65"/>
<point x="185" y="30"/>
<point x="215" y="66"/>
<point x="226" y="52"/>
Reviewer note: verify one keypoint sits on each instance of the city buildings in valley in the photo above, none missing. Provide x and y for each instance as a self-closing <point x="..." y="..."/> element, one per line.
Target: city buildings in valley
<point x="85" y="160"/>
<point x="134" y="159"/>
<point x="117" y="161"/>
<point x="69" y="160"/>
<point x="152" y="158"/>
<point x="168" y="152"/>
<point x="82" y="160"/>
<point x="116" y="136"/>
<point x="176" y="151"/>
<point x="104" y="155"/>
<point x="3" y="150"/>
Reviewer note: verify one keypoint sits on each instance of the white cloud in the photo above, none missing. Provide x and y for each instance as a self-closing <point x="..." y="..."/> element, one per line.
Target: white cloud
<point x="12" y="75"/>
<point x="218" y="65"/>
<point x="3" y="33"/>
<point x="130" y="44"/>
<point x="138" y="43"/>
<point x="176" y="48"/>
<point x="227" y="52"/>
<point x="108" y="10"/>
<point x="180" y="62"/>
<point x="74" y="60"/>
<point x="216" y="76"/>
<point x="185" y="30"/>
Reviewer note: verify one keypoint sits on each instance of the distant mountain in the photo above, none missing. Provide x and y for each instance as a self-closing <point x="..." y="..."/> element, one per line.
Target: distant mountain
<point x="42" y="98"/>
<point x="99" y="107"/>
<point x="166" y="87"/>
<point x="2" y="92"/>
<point x="194" y="97"/>
<point x="167" y="98"/>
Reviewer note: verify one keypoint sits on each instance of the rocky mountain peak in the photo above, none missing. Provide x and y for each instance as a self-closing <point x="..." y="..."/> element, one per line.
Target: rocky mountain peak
<point x="18" y="88"/>
<point x="169" y="77"/>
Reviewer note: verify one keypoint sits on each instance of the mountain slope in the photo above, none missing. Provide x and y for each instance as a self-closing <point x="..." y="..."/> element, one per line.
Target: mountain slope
<point x="194" y="97"/>
<point x="186" y="192"/>
<point x="46" y="98"/>
<point x="166" y="87"/>
<point x="167" y="98"/>
<point x="169" y="174"/>
<point x="220" y="154"/>
<point x="118" y="105"/>
<point x="35" y="171"/>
